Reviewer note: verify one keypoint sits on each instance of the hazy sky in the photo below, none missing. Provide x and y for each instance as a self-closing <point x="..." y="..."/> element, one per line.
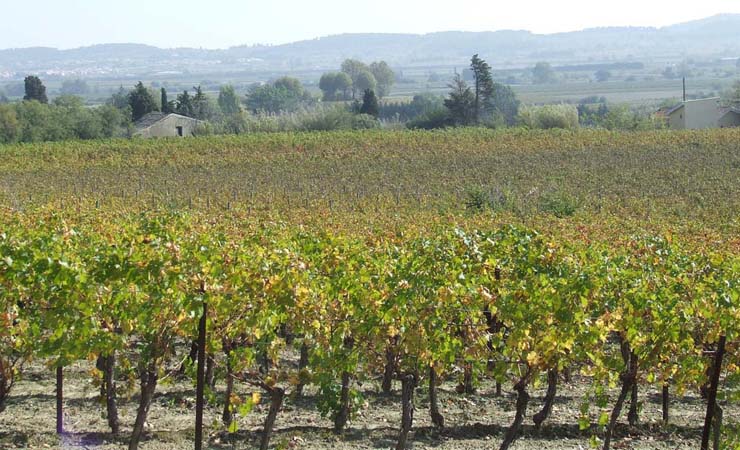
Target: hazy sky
<point x="225" y="23"/>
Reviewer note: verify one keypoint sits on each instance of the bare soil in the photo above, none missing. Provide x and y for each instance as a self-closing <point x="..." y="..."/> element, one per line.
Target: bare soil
<point x="473" y="422"/>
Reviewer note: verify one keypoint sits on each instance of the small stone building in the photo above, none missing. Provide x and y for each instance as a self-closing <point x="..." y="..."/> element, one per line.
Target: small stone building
<point x="694" y="114"/>
<point x="157" y="124"/>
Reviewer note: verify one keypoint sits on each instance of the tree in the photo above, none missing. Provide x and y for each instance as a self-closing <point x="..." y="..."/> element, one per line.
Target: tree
<point x="74" y="87"/>
<point x="201" y="106"/>
<point x="290" y="84"/>
<point x="3" y="98"/>
<point x="505" y="105"/>
<point x="9" y="126"/>
<point x="602" y="75"/>
<point x="460" y="102"/>
<point x="365" y="80"/>
<point x="327" y="84"/>
<point x="166" y="105"/>
<point x="369" y="103"/>
<point x="120" y="99"/>
<point x="543" y="73"/>
<point x="185" y="104"/>
<point x="353" y="68"/>
<point x="228" y="101"/>
<point x="35" y="89"/>
<point x="483" y="87"/>
<point x="335" y="86"/>
<point x="141" y="102"/>
<point x="384" y="76"/>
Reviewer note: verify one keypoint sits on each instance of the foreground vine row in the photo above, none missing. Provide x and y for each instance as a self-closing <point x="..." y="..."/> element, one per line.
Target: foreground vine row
<point x="417" y="306"/>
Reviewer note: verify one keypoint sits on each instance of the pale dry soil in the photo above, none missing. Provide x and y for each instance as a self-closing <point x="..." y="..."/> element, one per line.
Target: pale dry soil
<point x="473" y="422"/>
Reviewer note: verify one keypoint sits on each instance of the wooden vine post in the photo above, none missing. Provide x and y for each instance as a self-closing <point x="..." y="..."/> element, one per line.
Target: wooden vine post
<point x="712" y="400"/>
<point x="200" y="387"/>
<point x="60" y="400"/>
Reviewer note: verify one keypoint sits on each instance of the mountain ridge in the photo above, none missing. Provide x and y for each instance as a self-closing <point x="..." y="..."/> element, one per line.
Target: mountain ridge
<point x="715" y="36"/>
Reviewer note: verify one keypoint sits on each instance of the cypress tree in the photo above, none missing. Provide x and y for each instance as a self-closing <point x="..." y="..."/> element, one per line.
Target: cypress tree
<point x="370" y="104"/>
<point x="165" y="104"/>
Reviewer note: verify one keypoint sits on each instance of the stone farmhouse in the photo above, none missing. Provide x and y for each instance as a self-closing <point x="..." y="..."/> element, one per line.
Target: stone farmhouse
<point x="699" y="114"/>
<point x="157" y="124"/>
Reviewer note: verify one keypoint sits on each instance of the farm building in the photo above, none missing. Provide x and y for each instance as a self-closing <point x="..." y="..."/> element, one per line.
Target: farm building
<point x="693" y="114"/>
<point x="730" y="118"/>
<point x="157" y="124"/>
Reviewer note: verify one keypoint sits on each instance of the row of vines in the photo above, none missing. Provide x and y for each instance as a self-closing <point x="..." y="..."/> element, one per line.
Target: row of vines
<point x="134" y="292"/>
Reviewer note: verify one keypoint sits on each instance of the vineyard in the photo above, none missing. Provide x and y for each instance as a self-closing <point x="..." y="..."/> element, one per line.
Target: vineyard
<point x="341" y="273"/>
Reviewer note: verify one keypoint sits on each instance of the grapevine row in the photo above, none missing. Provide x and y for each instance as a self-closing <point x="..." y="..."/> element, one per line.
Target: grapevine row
<point x="419" y="305"/>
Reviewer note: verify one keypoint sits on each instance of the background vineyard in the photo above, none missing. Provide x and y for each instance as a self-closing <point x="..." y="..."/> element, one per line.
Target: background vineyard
<point x="474" y="256"/>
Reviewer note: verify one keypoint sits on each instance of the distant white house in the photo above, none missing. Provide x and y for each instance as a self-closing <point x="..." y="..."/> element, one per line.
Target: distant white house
<point x="700" y="114"/>
<point x="157" y="124"/>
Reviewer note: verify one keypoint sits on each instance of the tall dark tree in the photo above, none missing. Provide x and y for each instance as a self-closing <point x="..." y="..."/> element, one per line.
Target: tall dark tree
<point x="482" y="87"/>
<point x="460" y="101"/>
<point x="166" y="106"/>
<point x="141" y="101"/>
<point x="185" y="104"/>
<point x="35" y="89"/>
<point x="200" y="104"/>
<point x="369" y="103"/>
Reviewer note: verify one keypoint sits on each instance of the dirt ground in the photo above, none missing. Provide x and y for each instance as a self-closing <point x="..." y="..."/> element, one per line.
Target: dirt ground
<point x="473" y="421"/>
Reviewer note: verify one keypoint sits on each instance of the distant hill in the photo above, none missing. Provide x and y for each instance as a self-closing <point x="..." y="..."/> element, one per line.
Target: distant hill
<point x="713" y="37"/>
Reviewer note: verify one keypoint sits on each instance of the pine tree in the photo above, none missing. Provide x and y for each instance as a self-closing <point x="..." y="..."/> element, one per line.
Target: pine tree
<point x="141" y="101"/>
<point x="185" y="104"/>
<point x="200" y="104"/>
<point x="35" y="89"/>
<point x="483" y="88"/>
<point x="461" y="101"/>
<point x="370" y="104"/>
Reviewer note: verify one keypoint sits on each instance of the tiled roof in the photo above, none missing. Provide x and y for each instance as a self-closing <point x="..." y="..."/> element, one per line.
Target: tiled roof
<point x="156" y="116"/>
<point x="150" y="119"/>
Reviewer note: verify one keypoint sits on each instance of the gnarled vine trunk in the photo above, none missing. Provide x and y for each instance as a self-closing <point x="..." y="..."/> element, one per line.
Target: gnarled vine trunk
<point x="552" y="387"/>
<point x="390" y="369"/>
<point x="276" y="401"/>
<point x="148" y="386"/>
<point x="228" y="416"/>
<point x="302" y="364"/>
<point x="522" y="399"/>
<point x="437" y="418"/>
<point x="628" y="377"/>
<point x="109" y="383"/>
<point x="340" y="421"/>
<point x="632" y="415"/>
<point x="408" y="383"/>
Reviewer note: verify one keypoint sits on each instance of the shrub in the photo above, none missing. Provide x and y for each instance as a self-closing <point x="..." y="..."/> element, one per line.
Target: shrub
<point x="549" y="116"/>
<point x="438" y="118"/>
<point x="558" y="204"/>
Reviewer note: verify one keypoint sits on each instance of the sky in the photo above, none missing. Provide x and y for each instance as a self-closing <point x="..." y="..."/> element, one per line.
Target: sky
<point x="226" y="23"/>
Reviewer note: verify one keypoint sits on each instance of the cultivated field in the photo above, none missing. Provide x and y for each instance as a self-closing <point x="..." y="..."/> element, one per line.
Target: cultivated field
<point x="551" y="289"/>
